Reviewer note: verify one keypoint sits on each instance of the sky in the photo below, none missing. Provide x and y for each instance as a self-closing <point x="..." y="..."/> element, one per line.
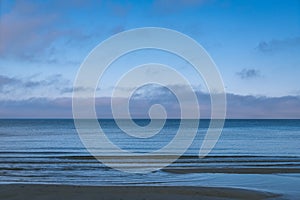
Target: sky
<point x="255" y="44"/>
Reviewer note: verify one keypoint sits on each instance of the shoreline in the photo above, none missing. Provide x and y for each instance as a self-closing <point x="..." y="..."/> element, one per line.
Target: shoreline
<point x="253" y="170"/>
<point x="46" y="191"/>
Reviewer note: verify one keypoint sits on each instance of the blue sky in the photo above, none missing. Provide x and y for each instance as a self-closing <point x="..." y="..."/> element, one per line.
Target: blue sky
<point x="255" y="45"/>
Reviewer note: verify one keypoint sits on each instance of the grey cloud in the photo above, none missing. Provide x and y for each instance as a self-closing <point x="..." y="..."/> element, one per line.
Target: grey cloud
<point x="11" y="86"/>
<point x="68" y="90"/>
<point x="277" y="45"/>
<point x="47" y="108"/>
<point x="5" y="80"/>
<point x="263" y="107"/>
<point x="238" y="106"/>
<point x="19" y="20"/>
<point x="36" y="108"/>
<point x="29" y="30"/>
<point x="249" y="73"/>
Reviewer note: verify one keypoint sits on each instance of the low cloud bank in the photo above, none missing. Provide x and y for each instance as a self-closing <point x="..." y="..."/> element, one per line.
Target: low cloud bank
<point x="238" y="106"/>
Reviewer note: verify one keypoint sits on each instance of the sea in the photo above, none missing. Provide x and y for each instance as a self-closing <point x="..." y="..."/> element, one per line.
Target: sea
<point x="252" y="154"/>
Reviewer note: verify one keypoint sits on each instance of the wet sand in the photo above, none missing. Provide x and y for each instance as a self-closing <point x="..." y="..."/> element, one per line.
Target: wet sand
<point x="49" y="192"/>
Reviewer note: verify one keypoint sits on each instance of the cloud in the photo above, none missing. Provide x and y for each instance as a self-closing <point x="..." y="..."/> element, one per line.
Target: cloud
<point x="249" y="73"/>
<point x="36" y="108"/>
<point x="263" y="107"/>
<point x="23" y="30"/>
<point x="278" y="45"/>
<point x="238" y="106"/>
<point x="30" y="87"/>
<point x="5" y="80"/>
<point x="31" y="30"/>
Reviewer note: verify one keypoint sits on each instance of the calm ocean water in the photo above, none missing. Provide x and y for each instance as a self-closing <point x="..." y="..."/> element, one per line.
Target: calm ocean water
<point x="259" y="154"/>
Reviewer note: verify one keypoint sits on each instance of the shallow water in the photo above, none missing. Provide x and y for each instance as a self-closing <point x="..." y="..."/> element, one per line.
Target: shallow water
<point x="255" y="154"/>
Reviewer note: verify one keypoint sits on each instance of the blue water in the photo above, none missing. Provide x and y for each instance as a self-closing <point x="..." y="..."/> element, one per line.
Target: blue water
<point x="50" y="151"/>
